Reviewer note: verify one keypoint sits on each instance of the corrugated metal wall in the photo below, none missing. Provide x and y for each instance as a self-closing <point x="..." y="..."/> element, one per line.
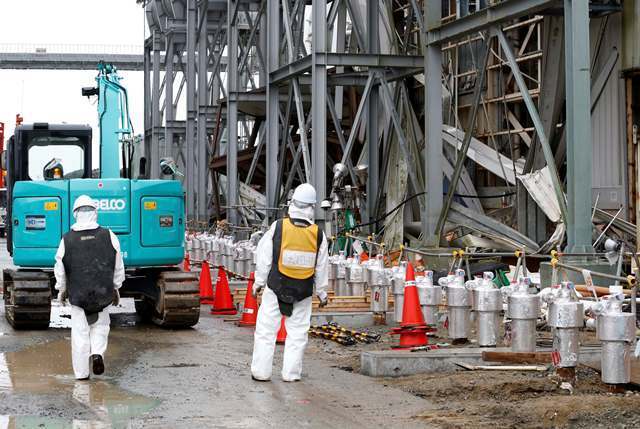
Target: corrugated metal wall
<point x="607" y="120"/>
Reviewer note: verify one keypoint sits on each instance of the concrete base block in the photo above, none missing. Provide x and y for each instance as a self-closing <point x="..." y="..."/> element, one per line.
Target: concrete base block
<point x="359" y="319"/>
<point x="393" y="363"/>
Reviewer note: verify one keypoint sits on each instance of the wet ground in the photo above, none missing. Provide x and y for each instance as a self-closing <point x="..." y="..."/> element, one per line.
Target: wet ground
<point x="182" y="379"/>
<point x="200" y="378"/>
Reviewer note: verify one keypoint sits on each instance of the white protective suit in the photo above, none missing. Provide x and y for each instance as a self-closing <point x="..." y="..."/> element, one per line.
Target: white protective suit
<point x="87" y="340"/>
<point x="269" y="316"/>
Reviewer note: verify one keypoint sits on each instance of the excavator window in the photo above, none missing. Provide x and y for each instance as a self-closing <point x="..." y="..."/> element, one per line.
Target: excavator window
<point x="52" y="158"/>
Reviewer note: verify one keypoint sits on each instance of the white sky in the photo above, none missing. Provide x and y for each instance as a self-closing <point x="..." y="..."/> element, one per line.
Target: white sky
<point x="54" y="96"/>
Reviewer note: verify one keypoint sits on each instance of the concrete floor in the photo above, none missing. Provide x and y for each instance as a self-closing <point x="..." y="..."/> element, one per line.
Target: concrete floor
<point x="188" y="378"/>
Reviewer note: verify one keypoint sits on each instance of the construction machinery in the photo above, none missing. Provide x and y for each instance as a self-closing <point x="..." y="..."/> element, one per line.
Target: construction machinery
<point x="48" y="166"/>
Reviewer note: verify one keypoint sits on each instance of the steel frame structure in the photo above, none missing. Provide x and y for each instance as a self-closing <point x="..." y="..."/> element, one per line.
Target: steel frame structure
<point x="276" y="92"/>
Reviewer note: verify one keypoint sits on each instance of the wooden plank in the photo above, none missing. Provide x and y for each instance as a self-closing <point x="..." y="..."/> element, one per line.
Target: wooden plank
<point x="517" y="357"/>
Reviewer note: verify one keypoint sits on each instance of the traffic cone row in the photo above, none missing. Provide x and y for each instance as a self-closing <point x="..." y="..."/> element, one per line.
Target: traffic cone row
<point x="412" y="330"/>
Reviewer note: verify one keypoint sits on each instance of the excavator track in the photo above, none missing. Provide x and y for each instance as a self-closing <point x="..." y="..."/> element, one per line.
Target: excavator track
<point x="178" y="304"/>
<point x="27" y="299"/>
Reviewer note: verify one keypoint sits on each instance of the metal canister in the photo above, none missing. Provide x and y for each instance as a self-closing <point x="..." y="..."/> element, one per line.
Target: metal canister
<point x="566" y="317"/>
<point x="355" y="276"/>
<point x="487" y="304"/>
<point x="333" y="272"/>
<point x="197" y="249"/>
<point x="227" y="254"/>
<point x="523" y="309"/>
<point x="341" y="275"/>
<point x="215" y="257"/>
<point x="398" y="275"/>
<point x="459" y="303"/>
<point x="379" y="285"/>
<point x="430" y="297"/>
<point x="616" y="332"/>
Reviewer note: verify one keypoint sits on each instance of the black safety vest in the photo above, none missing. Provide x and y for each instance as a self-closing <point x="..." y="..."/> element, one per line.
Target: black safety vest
<point x="288" y="289"/>
<point x="89" y="262"/>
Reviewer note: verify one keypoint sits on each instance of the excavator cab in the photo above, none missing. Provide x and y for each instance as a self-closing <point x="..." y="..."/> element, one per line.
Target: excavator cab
<point x="41" y="151"/>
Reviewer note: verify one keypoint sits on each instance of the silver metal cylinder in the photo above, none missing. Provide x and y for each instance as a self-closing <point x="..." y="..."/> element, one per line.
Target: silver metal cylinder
<point x="459" y="304"/>
<point x="616" y="362"/>
<point x="430" y="298"/>
<point x="487" y="304"/>
<point x="566" y="318"/>
<point x="379" y="284"/>
<point x="616" y="332"/>
<point x="397" y="288"/>
<point x="355" y="278"/>
<point x="523" y="335"/>
<point x="523" y="309"/>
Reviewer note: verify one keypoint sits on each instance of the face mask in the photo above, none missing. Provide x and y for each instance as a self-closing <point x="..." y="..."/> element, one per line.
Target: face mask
<point x="85" y="217"/>
<point x="307" y="213"/>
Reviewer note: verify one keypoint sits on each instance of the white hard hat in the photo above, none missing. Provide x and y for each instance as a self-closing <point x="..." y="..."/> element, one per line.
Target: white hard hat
<point x="305" y="194"/>
<point x="85" y="201"/>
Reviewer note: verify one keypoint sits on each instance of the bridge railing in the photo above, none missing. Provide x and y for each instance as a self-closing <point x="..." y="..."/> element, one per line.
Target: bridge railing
<point x="61" y="48"/>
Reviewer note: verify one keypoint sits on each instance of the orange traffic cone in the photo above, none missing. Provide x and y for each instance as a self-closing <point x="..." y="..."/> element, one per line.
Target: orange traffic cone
<point x="250" y="309"/>
<point x="282" y="333"/>
<point x="186" y="266"/>
<point x="411" y="311"/>
<point x="223" y="302"/>
<point x="206" y="286"/>
<point x="412" y="330"/>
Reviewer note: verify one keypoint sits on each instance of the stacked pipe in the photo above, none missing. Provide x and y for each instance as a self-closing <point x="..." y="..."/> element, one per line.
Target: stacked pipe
<point x="616" y="332"/>
<point x="487" y="304"/>
<point x="523" y="309"/>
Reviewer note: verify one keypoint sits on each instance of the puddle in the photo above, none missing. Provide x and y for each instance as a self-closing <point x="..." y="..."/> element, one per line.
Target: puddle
<point x="44" y="371"/>
<point x="123" y="315"/>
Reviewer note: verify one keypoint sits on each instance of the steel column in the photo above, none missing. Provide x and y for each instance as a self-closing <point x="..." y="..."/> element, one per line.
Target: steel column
<point x="169" y="111"/>
<point x="273" y="98"/>
<point x="190" y="173"/>
<point x="318" y="103"/>
<point x="156" y="119"/>
<point x="202" y="142"/>
<point x="232" y="113"/>
<point x="432" y="128"/>
<point x="373" y="171"/>
<point x="579" y="147"/>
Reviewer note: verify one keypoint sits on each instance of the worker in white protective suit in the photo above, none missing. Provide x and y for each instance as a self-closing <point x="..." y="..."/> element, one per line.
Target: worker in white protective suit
<point x="292" y="258"/>
<point x="89" y="270"/>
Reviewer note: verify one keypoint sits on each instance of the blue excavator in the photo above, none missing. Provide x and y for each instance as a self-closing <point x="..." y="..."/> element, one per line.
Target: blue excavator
<point x="48" y="166"/>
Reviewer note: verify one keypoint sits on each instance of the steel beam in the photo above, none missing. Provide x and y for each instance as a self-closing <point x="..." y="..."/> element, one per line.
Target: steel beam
<point x="508" y="10"/>
<point x="466" y="142"/>
<point x="535" y="117"/>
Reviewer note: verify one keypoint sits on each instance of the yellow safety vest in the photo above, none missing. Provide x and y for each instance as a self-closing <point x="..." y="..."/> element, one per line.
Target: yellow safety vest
<point x="298" y="250"/>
